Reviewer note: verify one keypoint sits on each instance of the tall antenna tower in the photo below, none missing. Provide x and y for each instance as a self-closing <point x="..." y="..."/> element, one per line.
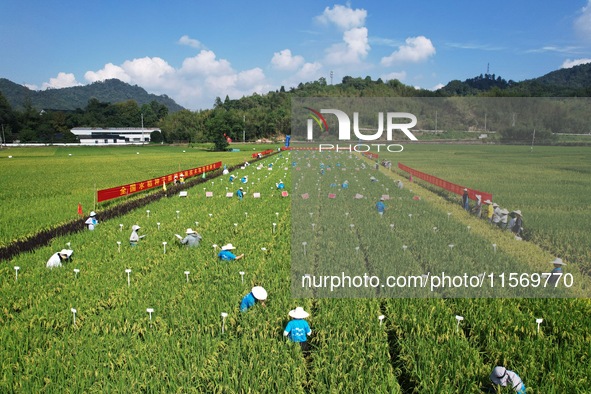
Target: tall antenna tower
<point x="487" y="68"/>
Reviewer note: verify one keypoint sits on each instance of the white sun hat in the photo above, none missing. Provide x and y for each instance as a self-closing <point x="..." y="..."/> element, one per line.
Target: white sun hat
<point x="558" y="261"/>
<point x="135" y="227"/>
<point x="92" y="213"/>
<point x="499" y="376"/>
<point x="298" y="313"/>
<point x="190" y="231"/>
<point x="259" y="293"/>
<point x="66" y="252"/>
<point x="479" y="197"/>
<point x="518" y="212"/>
<point x="228" y="247"/>
<point x="487" y="201"/>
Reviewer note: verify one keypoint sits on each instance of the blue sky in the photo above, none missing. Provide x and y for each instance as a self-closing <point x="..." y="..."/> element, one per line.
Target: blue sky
<point x="195" y="51"/>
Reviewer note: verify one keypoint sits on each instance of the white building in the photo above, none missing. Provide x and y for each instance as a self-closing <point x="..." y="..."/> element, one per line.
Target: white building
<point x="113" y="135"/>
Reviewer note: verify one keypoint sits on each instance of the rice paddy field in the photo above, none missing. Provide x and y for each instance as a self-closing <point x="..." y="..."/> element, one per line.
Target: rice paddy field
<point x="89" y="330"/>
<point x="41" y="187"/>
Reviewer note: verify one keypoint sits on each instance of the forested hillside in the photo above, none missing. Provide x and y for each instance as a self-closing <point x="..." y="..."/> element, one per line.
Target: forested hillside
<point x="116" y="104"/>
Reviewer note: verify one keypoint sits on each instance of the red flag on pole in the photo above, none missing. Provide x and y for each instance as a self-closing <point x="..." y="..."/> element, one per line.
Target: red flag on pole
<point x="80" y="209"/>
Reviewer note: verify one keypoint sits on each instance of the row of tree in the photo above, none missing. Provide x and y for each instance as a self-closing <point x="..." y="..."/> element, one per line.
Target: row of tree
<point x="48" y="126"/>
<point x="257" y="116"/>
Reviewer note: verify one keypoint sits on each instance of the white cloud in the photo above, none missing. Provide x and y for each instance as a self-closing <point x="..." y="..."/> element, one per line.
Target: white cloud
<point x="63" y="80"/>
<point x="284" y="60"/>
<point x="205" y="63"/>
<point x="343" y="16"/>
<point x="552" y="48"/>
<point x="472" y="45"/>
<point x="575" y="62"/>
<point x="395" y="75"/>
<point x="186" y="40"/>
<point x="250" y="78"/>
<point x="437" y="87"/>
<point x="415" y="50"/>
<point x="194" y="85"/>
<point x="308" y="72"/>
<point x="109" y="71"/>
<point x="353" y="49"/>
<point x="147" y="71"/>
<point x="582" y="23"/>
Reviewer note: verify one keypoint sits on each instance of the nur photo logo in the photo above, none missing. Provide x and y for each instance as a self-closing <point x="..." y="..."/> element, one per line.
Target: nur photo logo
<point x="351" y="131"/>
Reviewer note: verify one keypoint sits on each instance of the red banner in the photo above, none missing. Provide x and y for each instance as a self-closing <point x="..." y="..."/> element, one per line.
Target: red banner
<point x="370" y="155"/>
<point x="124" y="190"/>
<point x="452" y="187"/>
<point x="263" y="153"/>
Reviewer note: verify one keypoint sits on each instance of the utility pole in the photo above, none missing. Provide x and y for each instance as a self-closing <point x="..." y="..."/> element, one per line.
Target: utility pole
<point x="142" y="128"/>
<point x="331" y="73"/>
<point x="243" y="128"/>
<point x="436" y="121"/>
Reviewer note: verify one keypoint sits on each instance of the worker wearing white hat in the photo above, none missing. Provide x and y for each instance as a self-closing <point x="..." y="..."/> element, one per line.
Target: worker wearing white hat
<point x="91" y="221"/>
<point x="380" y="206"/>
<point x="501" y="376"/>
<point x="504" y="219"/>
<point x="240" y="193"/>
<point x="227" y="255"/>
<point x="191" y="239"/>
<point x="490" y="210"/>
<point x="280" y="185"/>
<point x="517" y="226"/>
<point x="466" y="200"/>
<point x="496" y="217"/>
<point x="134" y="237"/>
<point x="298" y="329"/>
<point x="556" y="273"/>
<point x="258" y="293"/>
<point x="478" y="207"/>
<point x="58" y="258"/>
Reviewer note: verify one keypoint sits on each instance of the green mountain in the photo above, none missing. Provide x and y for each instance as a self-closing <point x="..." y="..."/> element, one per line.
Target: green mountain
<point x="69" y="99"/>
<point x="566" y="82"/>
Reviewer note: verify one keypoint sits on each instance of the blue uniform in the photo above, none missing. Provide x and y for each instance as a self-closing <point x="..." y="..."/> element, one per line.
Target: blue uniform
<point x="380" y="206"/>
<point x="297" y="330"/>
<point x="247" y="302"/>
<point x="280" y="186"/>
<point x="226" y="255"/>
<point x="240" y="194"/>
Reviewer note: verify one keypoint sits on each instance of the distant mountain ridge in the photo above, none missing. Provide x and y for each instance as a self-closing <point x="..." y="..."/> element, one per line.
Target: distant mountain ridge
<point x="573" y="81"/>
<point x="69" y="99"/>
